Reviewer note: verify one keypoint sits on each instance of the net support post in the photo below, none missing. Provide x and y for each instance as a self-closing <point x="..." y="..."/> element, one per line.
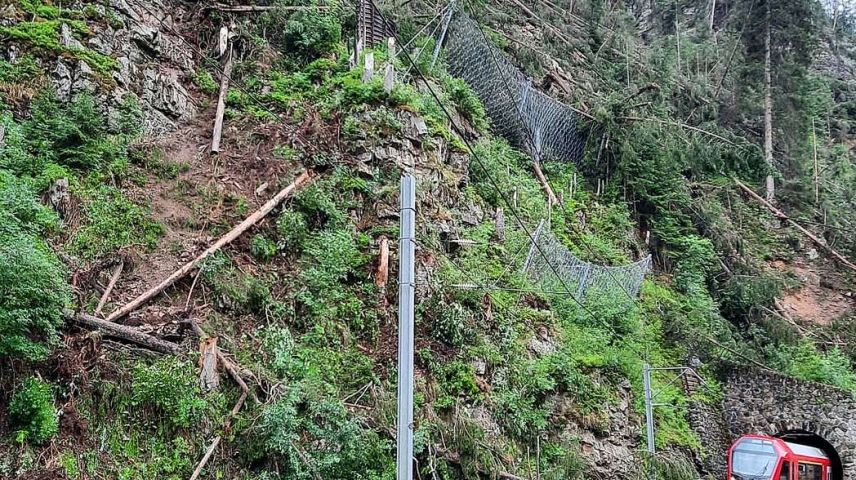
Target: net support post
<point x="406" y="294"/>
<point x="533" y="247"/>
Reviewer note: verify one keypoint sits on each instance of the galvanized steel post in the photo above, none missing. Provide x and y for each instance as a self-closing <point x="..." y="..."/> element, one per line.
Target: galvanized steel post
<point x="406" y="291"/>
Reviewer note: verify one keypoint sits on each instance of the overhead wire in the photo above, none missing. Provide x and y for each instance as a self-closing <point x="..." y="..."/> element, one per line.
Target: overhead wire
<point x="238" y="86"/>
<point x="533" y="143"/>
<point x="501" y="194"/>
<point x="633" y="300"/>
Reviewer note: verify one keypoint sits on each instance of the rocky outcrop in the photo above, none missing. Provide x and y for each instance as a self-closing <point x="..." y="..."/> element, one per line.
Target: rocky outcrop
<point x="152" y="63"/>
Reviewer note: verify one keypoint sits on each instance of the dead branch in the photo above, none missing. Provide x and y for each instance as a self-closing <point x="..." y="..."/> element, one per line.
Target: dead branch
<point x="113" y="279"/>
<point x="682" y="125"/>
<point x="221" y="102"/>
<point x="129" y="334"/>
<point x="782" y="216"/>
<point x="735" y="352"/>
<point x="300" y="181"/>
<point x="263" y="8"/>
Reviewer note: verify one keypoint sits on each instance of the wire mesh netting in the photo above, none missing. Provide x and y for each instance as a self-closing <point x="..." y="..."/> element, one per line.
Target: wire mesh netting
<point x="556" y="269"/>
<point x="529" y="119"/>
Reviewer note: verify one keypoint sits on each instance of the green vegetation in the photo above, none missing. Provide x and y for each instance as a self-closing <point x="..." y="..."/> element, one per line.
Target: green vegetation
<point x="32" y="279"/>
<point x="32" y="413"/>
<point x="113" y="222"/>
<point x="44" y="36"/>
<point x="205" y="81"/>
<point x="511" y="378"/>
<point x="167" y="392"/>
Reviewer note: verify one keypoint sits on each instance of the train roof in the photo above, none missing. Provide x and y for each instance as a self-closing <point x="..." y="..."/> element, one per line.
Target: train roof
<point x="806" y="450"/>
<point x="794" y="448"/>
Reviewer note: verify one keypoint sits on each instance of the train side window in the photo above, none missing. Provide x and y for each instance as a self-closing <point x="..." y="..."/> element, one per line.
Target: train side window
<point x="785" y="474"/>
<point x="810" y="471"/>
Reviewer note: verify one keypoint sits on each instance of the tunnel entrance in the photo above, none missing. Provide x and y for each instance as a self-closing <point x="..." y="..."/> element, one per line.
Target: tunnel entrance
<point x="814" y="440"/>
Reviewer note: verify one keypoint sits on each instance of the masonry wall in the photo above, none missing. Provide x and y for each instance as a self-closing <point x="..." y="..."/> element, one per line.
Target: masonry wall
<point x="757" y="401"/>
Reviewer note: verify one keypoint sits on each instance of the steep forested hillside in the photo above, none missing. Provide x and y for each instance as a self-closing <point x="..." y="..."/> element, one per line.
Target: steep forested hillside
<point x="277" y="352"/>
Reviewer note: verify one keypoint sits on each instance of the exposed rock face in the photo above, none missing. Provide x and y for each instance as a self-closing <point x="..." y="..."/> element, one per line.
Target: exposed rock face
<point x="766" y="403"/>
<point x="612" y="452"/>
<point x="152" y="64"/>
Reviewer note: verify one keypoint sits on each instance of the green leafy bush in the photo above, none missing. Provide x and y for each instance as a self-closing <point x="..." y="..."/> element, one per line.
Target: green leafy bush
<point x="310" y="435"/>
<point x="449" y="322"/>
<point x="32" y="413"/>
<point x="205" y="81"/>
<point x="331" y="288"/>
<point x="292" y="230"/>
<point x="467" y="103"/>
<point x="168" y="390"/>
<point x="112" y="222"/>
<point x="33" y="289"/>
<point x="312" y="33"/>
<point x="803" y="361"/>
<point x="262" y="248"/>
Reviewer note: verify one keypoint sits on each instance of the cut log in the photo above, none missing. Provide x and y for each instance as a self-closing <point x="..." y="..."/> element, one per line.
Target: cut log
<point x="781" y="215"/>
<point x="500" y="224"/>
<point x="300" y="181"/>
<point x="221" y="103"/>
<point x="129" y="334"/>
<point x="368" y="67"/>
<point x="113" y="279"/>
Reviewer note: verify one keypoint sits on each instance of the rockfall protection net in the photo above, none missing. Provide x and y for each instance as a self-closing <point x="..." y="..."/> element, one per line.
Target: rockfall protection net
<point x="528" y="119"/>
<point x="566" y="271"/>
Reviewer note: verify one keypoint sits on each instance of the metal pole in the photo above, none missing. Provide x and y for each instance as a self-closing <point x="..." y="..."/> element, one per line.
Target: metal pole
<point x="447" y="18"/>
<point x="533" y="247"/>
<point x="649" y="414"/>
<point x="406" y="288"/>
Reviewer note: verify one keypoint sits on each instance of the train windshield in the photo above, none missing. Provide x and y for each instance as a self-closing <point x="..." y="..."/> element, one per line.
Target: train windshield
<point x="753" y="459"/>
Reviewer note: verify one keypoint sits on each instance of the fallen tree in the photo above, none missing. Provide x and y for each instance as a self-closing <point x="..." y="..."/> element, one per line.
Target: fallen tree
<point x="123" y="332"/>
<point x="242" y="227"/>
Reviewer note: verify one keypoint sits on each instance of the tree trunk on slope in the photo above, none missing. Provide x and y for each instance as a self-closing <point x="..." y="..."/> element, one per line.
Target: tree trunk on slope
<point x="768" y="110"/>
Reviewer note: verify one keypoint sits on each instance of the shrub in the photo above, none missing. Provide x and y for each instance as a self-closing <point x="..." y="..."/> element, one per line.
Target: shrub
<point x="263" y="248"/>
<point x="205" y="81"/>
<point x="169" y="390"/>
<point x="31" y="412"/>
<point x="112" y="222"/>
<point x="312" y="33"/>
<point x="75" y="135"/>
<point x="467" y="103"/>
<point x="331" y="288"/>
<point x="33" y="289"/>
<point x="292" y="229"/>
<point x="449" y="323"/>
<point x="310" y="435"/>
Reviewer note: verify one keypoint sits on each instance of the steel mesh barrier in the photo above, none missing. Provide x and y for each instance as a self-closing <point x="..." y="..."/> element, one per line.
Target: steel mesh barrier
<point x="565" y="271"/>
<point x="529" y="119"/>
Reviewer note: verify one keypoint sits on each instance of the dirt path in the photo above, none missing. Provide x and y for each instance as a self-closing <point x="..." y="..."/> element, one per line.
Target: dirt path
<point x="209" y="195"/>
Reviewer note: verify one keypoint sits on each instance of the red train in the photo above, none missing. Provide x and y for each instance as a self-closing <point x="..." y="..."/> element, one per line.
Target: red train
<point x="758" y="457"/>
